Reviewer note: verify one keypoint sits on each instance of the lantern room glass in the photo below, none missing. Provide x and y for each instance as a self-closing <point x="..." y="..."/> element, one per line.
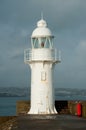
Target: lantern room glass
<point x="42" y="42"/>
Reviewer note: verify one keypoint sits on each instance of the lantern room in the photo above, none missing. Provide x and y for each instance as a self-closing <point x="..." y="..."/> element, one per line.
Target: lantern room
<point x="42" y="36"/>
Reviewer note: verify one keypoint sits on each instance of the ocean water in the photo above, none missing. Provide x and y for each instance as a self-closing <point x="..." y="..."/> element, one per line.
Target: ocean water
<point x="8" y="104"/>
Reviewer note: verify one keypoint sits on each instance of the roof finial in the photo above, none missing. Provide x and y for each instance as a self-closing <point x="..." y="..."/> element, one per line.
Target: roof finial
<point x="41" y="15"/>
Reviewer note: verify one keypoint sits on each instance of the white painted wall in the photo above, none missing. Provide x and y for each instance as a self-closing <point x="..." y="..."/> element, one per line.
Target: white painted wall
<point x="42" y="89"/>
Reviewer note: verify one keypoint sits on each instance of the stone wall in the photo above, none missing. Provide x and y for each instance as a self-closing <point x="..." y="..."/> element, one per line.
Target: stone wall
<point x="72" y="106"/>
<point x="63" y="107"/>
<point x="22" y="107"/>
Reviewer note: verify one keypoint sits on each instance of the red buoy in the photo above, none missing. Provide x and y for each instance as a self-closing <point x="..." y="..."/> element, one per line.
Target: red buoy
<point x="79" y="109"/>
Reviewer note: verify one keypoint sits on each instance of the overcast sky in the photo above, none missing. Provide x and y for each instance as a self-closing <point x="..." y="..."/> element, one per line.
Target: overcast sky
<point x="67" y="21"/>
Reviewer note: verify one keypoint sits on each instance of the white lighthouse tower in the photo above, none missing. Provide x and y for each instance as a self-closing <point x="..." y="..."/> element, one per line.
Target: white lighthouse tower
<point x="42" y="58"/>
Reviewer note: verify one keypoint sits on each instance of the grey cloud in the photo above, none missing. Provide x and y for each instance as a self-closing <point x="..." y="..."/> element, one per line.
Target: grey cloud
<point x="67" y="21"/>
<point x="65" y="14"/>
<point x="80" y="54"/>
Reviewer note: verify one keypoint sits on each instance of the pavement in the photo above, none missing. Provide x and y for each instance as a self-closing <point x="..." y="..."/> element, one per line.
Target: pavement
<point x="49" y="122"/>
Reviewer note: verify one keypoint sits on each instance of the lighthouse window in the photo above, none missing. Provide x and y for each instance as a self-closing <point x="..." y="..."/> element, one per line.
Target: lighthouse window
<point x="47" y="44"/>
<point x="35" y="42"/>
<point x="42" y="42"/>
<point x="43" y="76"/>
<point x="51" y="41"/>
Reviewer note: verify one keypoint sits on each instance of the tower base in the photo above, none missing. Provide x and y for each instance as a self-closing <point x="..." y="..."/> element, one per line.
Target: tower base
<point x="48" y="111"/>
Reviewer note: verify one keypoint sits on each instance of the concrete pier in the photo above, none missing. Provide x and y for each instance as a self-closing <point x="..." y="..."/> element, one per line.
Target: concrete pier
<point x="49" y="122"/>
<point x="43" y="122"/>
<point x="66" y="119"/>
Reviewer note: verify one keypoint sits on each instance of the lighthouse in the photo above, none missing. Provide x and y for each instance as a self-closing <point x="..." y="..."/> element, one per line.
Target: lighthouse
<point x="42" y="58"/>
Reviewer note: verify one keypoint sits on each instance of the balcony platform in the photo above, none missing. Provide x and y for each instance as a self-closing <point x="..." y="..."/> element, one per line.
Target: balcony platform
<point x="31" y="55"/>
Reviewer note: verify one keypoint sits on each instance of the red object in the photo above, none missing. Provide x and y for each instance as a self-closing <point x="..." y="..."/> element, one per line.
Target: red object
<point x="79" y="109"/>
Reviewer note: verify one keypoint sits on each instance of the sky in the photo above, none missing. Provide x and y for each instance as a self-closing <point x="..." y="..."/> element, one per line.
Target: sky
<point x="67" y="21"/>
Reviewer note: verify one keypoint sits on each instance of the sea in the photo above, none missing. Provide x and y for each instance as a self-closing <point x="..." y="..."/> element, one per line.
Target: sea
<point x="8" y="104"/>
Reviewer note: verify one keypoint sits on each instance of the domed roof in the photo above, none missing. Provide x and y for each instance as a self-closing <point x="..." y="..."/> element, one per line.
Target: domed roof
<point x="41" y="30"/>
<point x="41" y="23"/>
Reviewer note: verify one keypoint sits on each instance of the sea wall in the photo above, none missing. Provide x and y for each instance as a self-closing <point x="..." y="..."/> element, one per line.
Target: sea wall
<point x="22" y="107"/>
<point x="72" y="106"/>
<point x="63" y="107"/>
